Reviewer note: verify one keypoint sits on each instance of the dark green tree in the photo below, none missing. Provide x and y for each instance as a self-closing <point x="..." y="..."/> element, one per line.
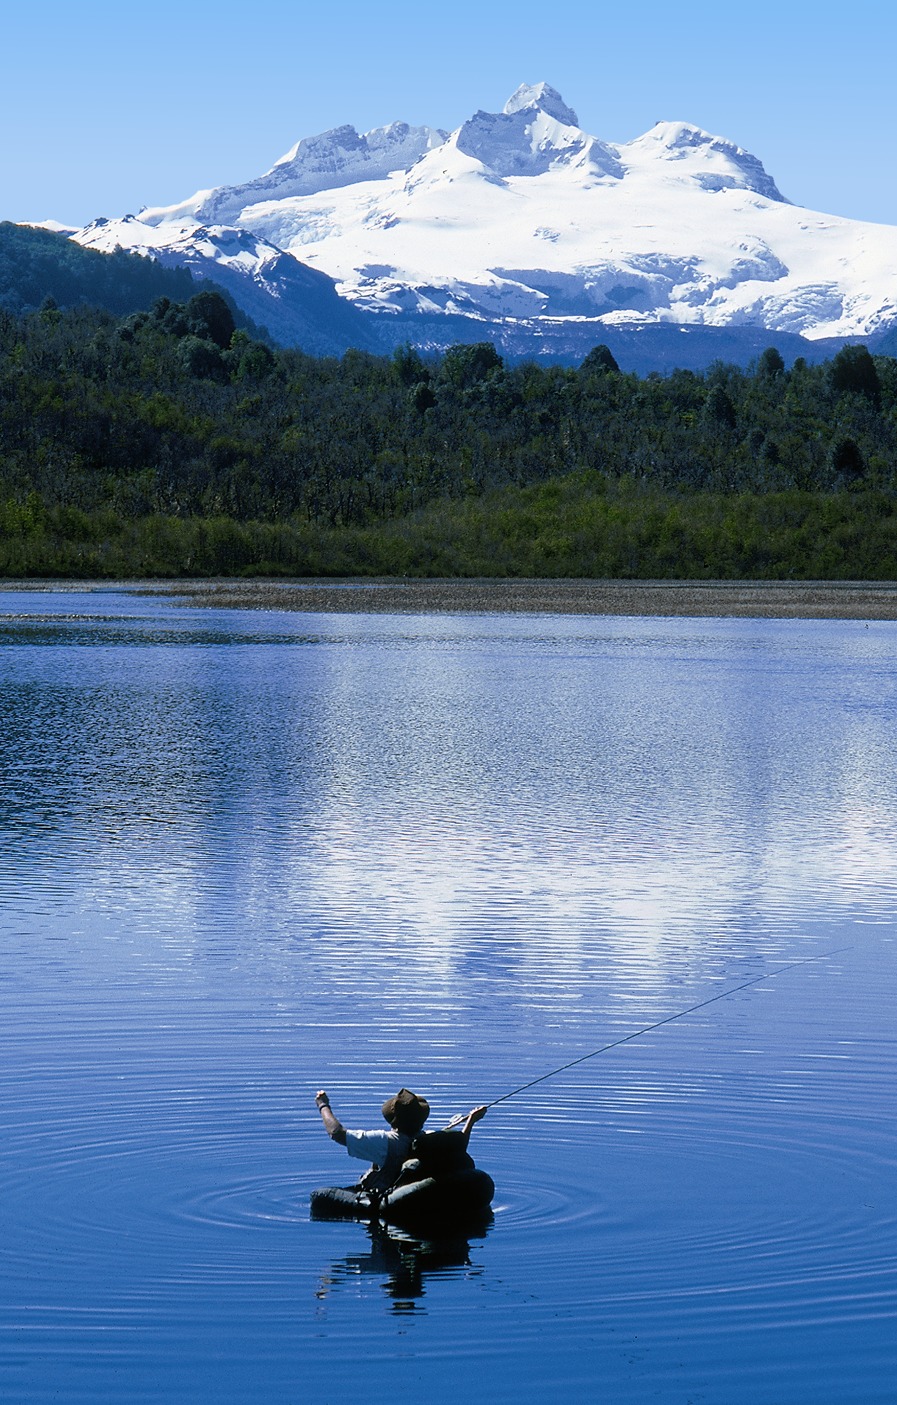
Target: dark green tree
<point x="853" y="372"/>
<point x="718" y="408"/>
<point x="202" y="357"/>
<point x="409" y="365"/>
<point x="210" y="317"/>
<point x="422" y="397"/>
<point x="466" y="365"/>
<point x="600" y="359"/>
<point x="847" y="461"/>
<point x="770" y="364"/>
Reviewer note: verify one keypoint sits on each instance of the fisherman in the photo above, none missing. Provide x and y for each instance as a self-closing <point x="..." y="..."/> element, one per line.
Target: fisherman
<point x="406" y="1114"/>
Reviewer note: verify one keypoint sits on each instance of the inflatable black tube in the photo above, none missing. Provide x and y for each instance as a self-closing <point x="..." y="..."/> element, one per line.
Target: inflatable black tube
<point x="435" y="1204"/>
<point x="337" y="1202"/>
<point x="449" y="1200"/>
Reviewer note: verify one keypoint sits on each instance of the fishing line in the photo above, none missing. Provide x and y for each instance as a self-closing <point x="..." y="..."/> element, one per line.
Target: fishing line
<point x="658" y="1024"/>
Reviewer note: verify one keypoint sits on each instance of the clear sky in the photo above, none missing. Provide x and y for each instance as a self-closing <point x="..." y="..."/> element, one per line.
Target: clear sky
<point x="111" y="106"/>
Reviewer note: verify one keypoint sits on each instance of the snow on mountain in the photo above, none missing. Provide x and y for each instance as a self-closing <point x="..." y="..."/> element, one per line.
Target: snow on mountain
<point x="336" y="158"/>
<point x="530" y="226"/>
<point x="271" y="286"/>
<point x="541" y="97"/>
<point x="54" y="226"/>
<point x="535" y="132"/>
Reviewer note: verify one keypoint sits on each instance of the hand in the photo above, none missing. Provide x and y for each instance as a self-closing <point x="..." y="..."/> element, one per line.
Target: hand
<point x="321" y="1099"/>
<point x="477" y="1115"/>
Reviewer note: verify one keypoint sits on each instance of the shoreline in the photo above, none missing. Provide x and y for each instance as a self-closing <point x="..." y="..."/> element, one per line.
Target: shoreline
<point x="861" y="600"/>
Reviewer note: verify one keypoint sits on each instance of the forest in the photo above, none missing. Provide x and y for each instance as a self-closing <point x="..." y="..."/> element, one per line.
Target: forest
<point x="173" y="442"/>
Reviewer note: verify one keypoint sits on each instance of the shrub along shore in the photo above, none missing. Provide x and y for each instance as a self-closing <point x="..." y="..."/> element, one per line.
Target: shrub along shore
<point x="572" y="527"/>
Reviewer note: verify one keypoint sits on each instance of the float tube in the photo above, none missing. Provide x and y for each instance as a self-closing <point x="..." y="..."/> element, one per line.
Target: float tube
<point x="440" y="1189"/>
<point x="435" y="1202"/>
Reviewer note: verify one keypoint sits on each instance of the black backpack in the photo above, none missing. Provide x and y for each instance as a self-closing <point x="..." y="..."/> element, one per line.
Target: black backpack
<point x="441" y="1153"/>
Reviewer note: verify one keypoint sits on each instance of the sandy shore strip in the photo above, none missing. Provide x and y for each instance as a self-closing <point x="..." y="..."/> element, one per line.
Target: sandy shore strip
<point x="750" y="599"/>
<point x="845" y="600"/>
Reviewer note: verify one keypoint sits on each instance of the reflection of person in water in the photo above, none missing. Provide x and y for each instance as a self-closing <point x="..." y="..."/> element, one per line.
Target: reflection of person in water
<point x="402" y="1263"/>
<point x="406" y="1114"/>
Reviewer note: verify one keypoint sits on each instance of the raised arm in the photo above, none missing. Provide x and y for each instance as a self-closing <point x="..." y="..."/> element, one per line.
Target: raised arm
<point x="332" y="1126"/>
<point x="472" y="1119"/>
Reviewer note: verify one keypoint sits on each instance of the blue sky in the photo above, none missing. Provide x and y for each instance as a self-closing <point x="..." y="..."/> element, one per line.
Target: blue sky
<point x="110" y="106"/>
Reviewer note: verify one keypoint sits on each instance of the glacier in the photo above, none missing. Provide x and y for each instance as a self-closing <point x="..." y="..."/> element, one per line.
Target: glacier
<point x="522" y="228"/>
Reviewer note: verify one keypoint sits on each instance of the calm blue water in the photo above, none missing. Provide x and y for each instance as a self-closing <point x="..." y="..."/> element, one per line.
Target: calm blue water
<point x="246" y="855"/>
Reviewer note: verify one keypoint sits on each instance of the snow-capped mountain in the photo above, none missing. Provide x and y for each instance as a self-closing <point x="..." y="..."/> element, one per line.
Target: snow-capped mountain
<point x="299" y="304"/>
<point x="532" y="231"/>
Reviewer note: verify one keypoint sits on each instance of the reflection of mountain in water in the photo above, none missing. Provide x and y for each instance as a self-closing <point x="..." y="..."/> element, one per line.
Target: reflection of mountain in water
<point x="403" y="1263"/>
<point x="500" y="800"/>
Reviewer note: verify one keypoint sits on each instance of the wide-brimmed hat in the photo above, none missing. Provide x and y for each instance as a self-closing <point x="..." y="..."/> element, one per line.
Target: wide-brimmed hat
<point x="406" y="1109"/>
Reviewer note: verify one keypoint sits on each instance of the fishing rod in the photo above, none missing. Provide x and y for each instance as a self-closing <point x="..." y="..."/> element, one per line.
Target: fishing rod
<point x="658" y="1024"/>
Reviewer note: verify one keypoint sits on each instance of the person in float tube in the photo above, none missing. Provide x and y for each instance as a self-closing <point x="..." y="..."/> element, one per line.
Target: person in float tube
<point x="386" y="1152"/>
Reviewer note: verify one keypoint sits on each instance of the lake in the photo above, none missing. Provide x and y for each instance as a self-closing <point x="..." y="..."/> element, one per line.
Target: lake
<point x="248" y="854"/>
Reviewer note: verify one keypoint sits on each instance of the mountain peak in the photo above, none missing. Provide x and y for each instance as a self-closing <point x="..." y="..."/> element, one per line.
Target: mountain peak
<point x="721" y="165"/>
<point x="541" y="97"/>
<point x="535" y="132"/>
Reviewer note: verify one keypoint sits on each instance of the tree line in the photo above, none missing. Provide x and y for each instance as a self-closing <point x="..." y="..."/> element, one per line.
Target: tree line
<point x="109" y="425"/>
